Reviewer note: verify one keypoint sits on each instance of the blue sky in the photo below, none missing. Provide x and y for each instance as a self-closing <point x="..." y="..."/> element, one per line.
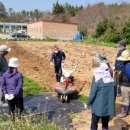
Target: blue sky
<point x="44" y="5"/>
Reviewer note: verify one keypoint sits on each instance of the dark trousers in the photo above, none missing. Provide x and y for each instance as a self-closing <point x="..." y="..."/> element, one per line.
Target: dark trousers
<point x="95" y="120"/>
<point x="58" y="72"/>
<point x="2" y="97"/>
<point x="18" y="103"/>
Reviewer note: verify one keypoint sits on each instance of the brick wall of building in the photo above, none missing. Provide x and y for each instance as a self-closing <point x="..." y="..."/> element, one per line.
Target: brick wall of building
<point x="53" y="30"/>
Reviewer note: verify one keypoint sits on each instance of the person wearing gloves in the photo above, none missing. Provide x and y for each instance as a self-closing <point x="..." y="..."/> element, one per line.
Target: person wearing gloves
<point x="102" y="95"/>
<point x="12" y="84"/>
<point x="58" y="56"/>
<point x="124" y="82"/>
<point x="4" y="49"/>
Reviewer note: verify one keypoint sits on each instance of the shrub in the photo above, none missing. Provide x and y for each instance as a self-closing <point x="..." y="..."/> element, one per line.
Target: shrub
<point x="126" y="31"/>
<point x="104" y="26"/>
<point x="111" y="37"/>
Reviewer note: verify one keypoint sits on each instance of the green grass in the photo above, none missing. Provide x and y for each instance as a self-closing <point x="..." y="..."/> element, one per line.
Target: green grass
<point x="32" y="121"/>
<point x="100" y="43"/>
<point x="72" y="115"/>
<point x="31" y="87"/>
<point x="25" y="124"/>
<point x="82" y="98"/>
<point x="97" y="42"/>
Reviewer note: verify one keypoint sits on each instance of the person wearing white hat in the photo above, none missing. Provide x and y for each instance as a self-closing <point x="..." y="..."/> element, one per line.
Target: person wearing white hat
<point x="124" y="82"/>
<point x="4" y="49"/>
<point x="12" y="84"/>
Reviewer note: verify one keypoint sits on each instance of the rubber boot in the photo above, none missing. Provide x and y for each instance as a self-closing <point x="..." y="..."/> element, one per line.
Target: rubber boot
<point x="118" y="91"/>
<point x="128" y="113"/>
<point x="104" y="129"/>
<point x="124" y="111"/>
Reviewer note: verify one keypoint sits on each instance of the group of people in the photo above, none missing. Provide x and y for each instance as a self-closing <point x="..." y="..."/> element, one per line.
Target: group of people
<point x="105" y="88"/>
<point x="11" y="83"/>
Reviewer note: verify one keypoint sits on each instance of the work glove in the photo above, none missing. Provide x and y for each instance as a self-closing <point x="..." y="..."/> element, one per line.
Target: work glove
<point x="85" y="106"/>
<point x="6" y="96"/>
<point x="10" y="96"/>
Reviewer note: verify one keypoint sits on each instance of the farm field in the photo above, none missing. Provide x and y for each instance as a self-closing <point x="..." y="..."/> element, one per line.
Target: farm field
<point x="34" y="58"/>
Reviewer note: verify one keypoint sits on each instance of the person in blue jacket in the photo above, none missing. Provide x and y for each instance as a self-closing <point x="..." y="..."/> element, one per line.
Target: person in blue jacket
<point x="119" y="65"/>
<point x="102" y="95"/>
<point x="124" y="82"/>
<point x="57" y="57"/>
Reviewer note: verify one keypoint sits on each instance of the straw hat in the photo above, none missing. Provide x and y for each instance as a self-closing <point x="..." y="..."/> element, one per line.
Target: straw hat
<point x="14" y="62"/>
<point x="125" y="56"/>
<point x="5" y="48"/>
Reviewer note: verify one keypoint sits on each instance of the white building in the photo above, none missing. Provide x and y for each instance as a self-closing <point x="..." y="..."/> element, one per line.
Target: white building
<point x="6" y="27"/>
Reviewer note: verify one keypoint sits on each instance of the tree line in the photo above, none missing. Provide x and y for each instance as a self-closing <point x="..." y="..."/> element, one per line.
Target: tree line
<point x="109" y="22"/>
<point x="59" y="13"/>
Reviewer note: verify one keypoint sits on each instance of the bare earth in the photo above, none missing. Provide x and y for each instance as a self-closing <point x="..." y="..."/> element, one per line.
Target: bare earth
<point x="34" y="58"/>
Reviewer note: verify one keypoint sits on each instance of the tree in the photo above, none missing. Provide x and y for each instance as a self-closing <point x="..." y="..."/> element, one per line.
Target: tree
<point x="57" y="9"/>
<point x="103" y="26"/>
<point x="126" y="31"/>
<point x="3" y="12"/>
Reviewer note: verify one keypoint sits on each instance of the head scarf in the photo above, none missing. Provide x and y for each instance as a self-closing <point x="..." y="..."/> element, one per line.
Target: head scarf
<point x="102" y="72"/>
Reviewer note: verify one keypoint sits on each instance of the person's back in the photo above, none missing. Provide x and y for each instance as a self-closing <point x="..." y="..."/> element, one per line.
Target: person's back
<point x="104" y="102"/>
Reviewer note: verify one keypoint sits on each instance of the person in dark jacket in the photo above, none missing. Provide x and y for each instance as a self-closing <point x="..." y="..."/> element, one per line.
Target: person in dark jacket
<point x="58" y="56"/>
<point x="119" y="65"/>
<point x="124" y="82"/>
<point x="102" y="95"/>
<point x="4" y="49"/>
<point x="12" y="84"/>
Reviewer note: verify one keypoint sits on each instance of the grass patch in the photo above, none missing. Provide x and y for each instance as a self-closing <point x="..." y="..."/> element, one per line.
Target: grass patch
<point x="31" y="87"/>
<point x="72" y="115"/>
<point x="100" y="43"/>
<point x="25" y="124"/>
<point x="82" y="98"/>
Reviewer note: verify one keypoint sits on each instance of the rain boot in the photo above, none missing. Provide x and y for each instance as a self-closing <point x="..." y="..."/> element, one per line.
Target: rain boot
<point x="124" y="111"/>
<point x="104" y="129"/>
<point x="128" y="113"/>
<point x="118" y="91"/>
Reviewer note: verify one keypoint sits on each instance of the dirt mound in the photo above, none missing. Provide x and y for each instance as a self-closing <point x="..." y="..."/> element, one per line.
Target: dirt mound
<point x="33" y="66"/>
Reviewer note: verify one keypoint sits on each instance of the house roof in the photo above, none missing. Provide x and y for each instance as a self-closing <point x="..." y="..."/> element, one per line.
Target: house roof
<point x="52" y="22"/>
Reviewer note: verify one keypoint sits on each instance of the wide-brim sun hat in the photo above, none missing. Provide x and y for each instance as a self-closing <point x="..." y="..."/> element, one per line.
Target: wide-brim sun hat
<point x="125" y="56"/>
<point x="5" y="48"/>
<point x="14" y="62"/>
<point x="100" y="58"/>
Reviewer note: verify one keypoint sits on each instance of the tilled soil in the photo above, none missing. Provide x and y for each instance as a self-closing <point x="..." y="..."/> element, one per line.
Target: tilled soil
<point x="76" y="53"/>
<point x="34" y="58"/>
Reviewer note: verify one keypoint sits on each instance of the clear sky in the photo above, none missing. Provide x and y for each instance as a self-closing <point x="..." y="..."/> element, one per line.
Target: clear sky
<point x="44" y="5"/>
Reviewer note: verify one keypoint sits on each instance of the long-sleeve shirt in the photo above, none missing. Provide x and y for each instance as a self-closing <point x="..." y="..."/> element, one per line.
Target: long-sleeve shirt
<point x="119" y="64"/>
<point x="102" y="98"/>
<point x="57" y="58"/>
<point x="12" y="83"/>
<point x="3" y="65"/>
